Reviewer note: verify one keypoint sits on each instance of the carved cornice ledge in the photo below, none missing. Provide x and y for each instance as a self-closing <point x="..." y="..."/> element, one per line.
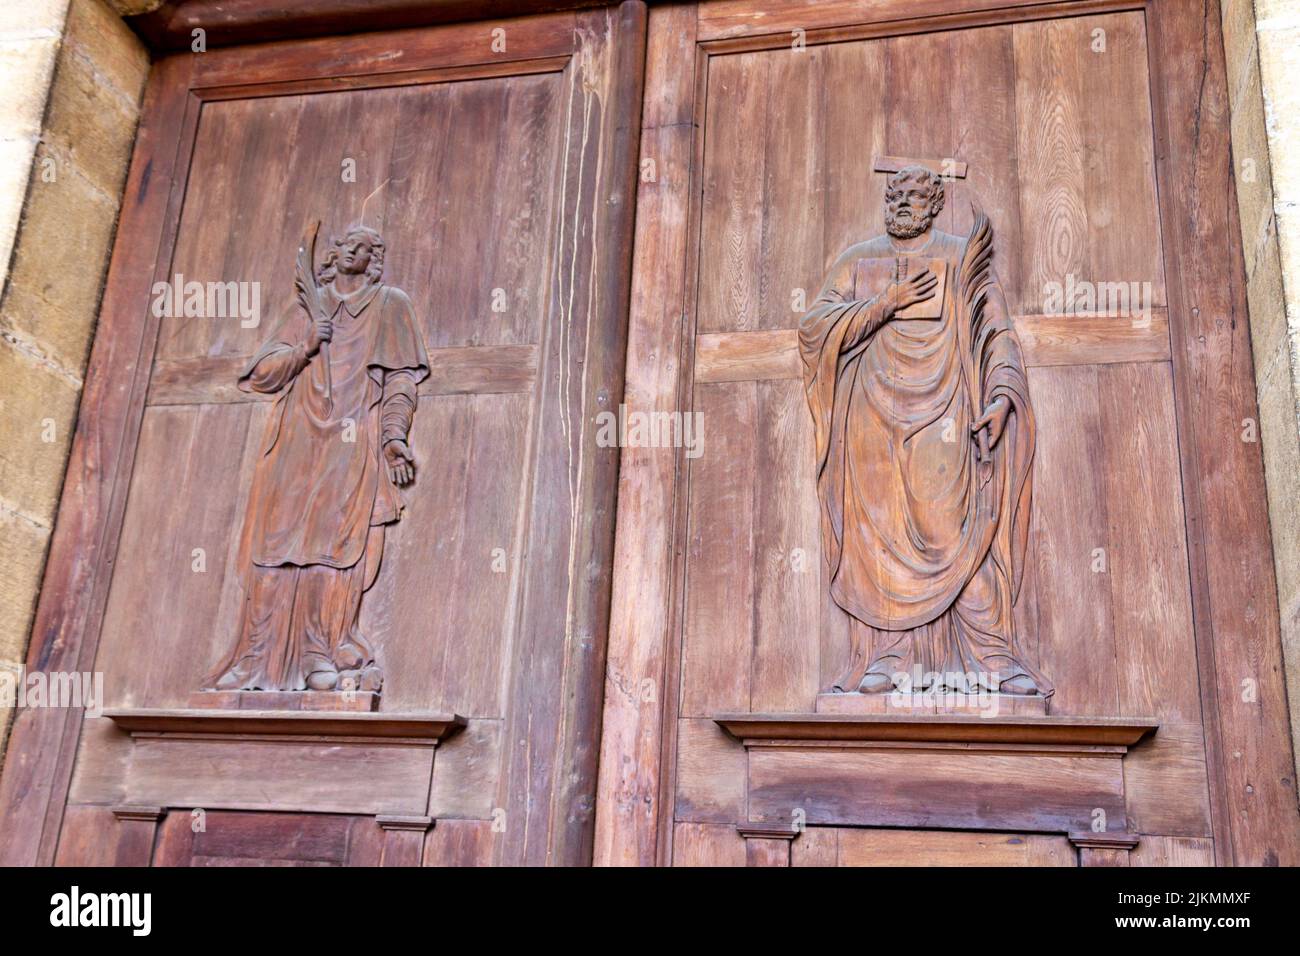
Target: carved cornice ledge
<point x="412" y="729"/>
<point x="1107" y="840"/>
<point x="405" y="822"/>
<point x="1022" y="732"/>
<point x="767" y="831"/>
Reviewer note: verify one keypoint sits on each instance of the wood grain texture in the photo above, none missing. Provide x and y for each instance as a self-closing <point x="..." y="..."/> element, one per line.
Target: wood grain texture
<point x="1166" y="786"/>
<point x="102" y="761"/>
<point x="1150" y="588"/>
<point x="88" y="837"/>
<point x="708" y="844"/>
<point x="1124" y="237"/>
<point x="1049" y="59"/>
<point x="854" y="124"/>
<point x="226" y="838"/>
<point x="1045" y="341"/>
<point x="396" y="51"/>
<point x="710" y="774"/>
<point x="1234" y="595"/>
<point x="964" y="790"/>
<point x="733" y="18"/>
<point x="638" y="684"/>
<point x="459" y="550"/>
<point x="177" y="556"/>
<point x="748" y="356"/>
<point x="460" y="843"/>
<point x="733" y="207"/>
<point x="286" y="776"/>
<point x="497" y="280"/>
<point x="564" y="612"/>
<point x="465" y="772"/>
<point x="984" y="133"/>
<point x="783" y="662"/>
<point x="761" y="852"/>
<point x="1172" y="851"/>
<point x="1076" y="636"/>
<point x="719" y="601"/>
<point x="249" y="21"/>
<point x="470" y="370"/>
<point x="844" y="847"/>
<point x="1093" y="339"/>
<point x="816" y="846"/>
<point x="1103" y="856"/>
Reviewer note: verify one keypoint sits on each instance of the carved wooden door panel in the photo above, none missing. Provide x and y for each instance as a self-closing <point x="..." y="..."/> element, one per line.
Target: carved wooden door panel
<point x="476" y="183"/>
<point x="776" y="131"/>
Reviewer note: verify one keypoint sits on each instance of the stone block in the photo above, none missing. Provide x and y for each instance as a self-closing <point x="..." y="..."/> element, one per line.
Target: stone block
<point x="1267" y="302"/>
<point x="36" y="423"/>
<point x="1252" y="168"/>
<point x="1279" y="430"/>
<point x="23" y="545"/>
<point x="33" y="17"/>
<point x="90" y="123"/>
<point x="97" y="34"/>
<point x="62" y="250"/>
<point x="26" y="69"/>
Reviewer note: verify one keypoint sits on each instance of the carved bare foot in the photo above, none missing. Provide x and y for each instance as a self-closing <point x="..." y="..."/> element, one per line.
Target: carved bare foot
<point x="233" y="679"/>
<point x="876" y="684"/>
<point x="372" y="678"/>
<point x="323" y="679"/>
<point x="1023" y="685"/>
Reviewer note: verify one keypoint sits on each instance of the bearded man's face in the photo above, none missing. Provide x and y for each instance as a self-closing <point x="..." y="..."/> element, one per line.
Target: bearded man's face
<point x="909" y="208"/>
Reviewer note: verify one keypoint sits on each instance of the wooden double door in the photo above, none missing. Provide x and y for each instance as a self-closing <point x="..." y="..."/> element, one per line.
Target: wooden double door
<point x="620" y="211"/>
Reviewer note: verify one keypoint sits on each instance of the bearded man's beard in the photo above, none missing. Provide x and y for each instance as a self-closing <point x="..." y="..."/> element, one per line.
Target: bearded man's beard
<point x="906" y="228"/>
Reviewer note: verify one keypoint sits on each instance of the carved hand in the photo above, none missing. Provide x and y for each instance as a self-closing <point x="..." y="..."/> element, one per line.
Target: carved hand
<point x="322" y="330"/>
<point x="994" y="419"/>
<point x="401" y="463"/>
<point x="910" y="291"/>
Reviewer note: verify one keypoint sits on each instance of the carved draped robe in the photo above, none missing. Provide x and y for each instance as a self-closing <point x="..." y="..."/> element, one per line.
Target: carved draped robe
<point x="924" y="544"/>
<point x="321" y="494"/>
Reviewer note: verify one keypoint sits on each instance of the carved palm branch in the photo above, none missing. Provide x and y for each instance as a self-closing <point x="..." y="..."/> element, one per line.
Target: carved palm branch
<point x="973" y="281"/>
<point x="309" y="294"/>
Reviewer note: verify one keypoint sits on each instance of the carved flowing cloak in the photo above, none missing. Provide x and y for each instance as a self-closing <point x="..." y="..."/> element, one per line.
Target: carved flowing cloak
<point x="908" y="515"/>
<point x="320" y="483"/>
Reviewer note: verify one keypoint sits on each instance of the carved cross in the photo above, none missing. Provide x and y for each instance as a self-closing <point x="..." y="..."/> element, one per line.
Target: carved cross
<point x="947" y="168"/>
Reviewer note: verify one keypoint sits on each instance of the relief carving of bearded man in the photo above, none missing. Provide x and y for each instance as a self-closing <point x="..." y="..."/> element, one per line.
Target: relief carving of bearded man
<point x="345" y="363"/>
<point x="925" y="440"/>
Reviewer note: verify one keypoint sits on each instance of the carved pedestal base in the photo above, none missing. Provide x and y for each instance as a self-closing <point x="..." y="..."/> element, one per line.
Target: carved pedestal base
<point x="979" y="705"/>
<point x="767" y="844"/>
<point x="311" y="700"/>
<point x="1017" y="774"/>
<point x="1104" y="849"/>
<point x="403" y="838"/>
<point x="135" y="834"/>
<point x="278" y="760"/>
